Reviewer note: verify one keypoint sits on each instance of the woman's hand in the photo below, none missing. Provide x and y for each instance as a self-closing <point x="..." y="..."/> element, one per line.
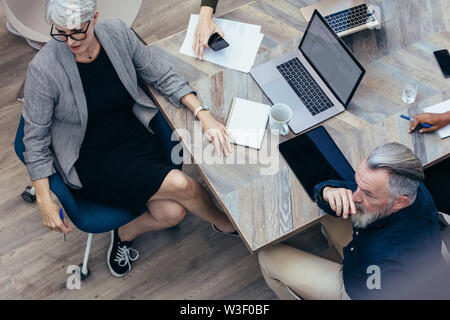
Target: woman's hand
<point x="216" y="133"/>
<point x="436" y="120"/>
<point x="50" y="215"/>
<point x="205" y="28"/>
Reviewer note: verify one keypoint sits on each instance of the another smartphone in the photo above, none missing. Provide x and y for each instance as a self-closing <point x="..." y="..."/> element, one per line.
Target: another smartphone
<point x="216" y="42"/>
<point x="443" y="58"/>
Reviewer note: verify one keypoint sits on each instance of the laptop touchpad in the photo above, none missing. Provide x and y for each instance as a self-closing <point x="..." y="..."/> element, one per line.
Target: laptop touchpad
<point x="279" y="91"/>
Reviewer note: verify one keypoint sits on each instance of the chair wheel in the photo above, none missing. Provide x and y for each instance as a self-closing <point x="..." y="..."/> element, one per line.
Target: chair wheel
<point x="29" y="194"/>
<point x="82" y="275"/>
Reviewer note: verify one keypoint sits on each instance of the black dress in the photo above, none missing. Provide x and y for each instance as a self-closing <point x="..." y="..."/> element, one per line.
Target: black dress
<point x="121" y="164"/>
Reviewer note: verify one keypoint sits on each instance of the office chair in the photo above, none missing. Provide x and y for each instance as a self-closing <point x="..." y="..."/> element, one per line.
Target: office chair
<point x="87" y="215"/>
<point x="23" y="21"/>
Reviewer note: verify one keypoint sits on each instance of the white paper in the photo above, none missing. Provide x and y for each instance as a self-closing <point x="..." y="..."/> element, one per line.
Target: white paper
<point x="248" y="121"/>
<point x="244" y="39"/>
<point x="440" y="107"/>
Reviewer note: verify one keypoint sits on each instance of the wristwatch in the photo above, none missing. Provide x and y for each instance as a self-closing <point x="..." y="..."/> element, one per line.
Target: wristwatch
<point x="200" y="108"/>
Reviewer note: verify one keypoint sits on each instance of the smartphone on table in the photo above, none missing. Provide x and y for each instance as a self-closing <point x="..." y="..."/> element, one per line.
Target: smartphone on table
<point x="216" y="42"/>
<point x="443" y="58"/>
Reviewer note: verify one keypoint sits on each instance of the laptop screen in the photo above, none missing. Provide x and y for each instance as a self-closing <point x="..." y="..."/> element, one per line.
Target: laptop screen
<point x="331" y="59"/>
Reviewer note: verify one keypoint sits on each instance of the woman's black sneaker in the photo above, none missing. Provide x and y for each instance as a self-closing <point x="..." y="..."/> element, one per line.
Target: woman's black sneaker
<point x="120" y="255"/>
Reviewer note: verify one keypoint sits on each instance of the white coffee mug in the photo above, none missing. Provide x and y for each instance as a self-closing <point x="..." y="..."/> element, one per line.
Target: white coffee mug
<point x="280" y="115"/>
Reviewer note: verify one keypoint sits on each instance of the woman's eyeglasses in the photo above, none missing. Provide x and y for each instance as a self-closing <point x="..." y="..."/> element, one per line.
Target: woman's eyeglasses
<point x="77" y="36"/>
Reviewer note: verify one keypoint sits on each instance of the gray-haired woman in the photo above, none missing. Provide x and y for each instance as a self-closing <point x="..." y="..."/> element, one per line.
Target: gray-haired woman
<point x="86" y="116"/>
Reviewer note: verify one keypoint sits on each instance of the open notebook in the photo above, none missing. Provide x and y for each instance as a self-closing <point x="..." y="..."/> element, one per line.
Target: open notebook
<point x="247" y="121"/>
<point x="441" y="107"/>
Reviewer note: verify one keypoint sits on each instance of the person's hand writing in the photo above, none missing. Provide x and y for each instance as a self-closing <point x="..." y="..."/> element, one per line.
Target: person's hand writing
<point x="205" y="28"/>
<point x="436" y="120"/>
<point x="340" y="200"/>
<point x="50" y="215"/>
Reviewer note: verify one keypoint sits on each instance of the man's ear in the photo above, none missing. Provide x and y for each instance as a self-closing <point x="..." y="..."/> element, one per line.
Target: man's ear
<point x="400" y="203"/>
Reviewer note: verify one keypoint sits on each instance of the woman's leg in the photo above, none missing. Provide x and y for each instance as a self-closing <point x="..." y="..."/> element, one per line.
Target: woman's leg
<point x="161" y="214"/>
<point x="182" y="189"/>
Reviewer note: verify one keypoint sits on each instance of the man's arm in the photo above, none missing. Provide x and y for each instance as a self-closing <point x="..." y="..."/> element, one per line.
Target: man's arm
<point x="436" y="120"/>
<point x="337" y="198"/>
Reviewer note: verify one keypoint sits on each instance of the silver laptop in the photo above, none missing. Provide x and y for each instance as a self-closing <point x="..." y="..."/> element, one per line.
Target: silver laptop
<point x="345" y="16"/>
<point x="317" y="80"/>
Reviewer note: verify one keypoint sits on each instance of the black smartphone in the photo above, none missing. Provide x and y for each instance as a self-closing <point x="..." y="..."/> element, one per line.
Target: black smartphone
<point x="216" y="42"/>
<point x="443" y="58"/>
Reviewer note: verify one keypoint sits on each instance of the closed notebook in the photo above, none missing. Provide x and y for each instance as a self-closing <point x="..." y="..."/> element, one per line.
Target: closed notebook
<point x="247" y="121"/>
<point x="441" y="107"/>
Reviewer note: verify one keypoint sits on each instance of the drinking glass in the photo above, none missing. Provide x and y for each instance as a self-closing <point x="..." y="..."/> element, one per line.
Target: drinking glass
<point x="409" y="93"/>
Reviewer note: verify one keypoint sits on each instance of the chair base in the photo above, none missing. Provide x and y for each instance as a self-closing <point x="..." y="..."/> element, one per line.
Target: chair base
<point x="29" y="195"/>
<point x="82" y="275"/>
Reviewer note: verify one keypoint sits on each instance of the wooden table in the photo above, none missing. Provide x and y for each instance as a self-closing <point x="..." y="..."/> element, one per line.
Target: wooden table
<point x="267" y="206"/>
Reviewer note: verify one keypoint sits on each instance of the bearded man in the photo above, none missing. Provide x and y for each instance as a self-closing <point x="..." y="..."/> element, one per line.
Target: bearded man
<point x="384" y="226"/>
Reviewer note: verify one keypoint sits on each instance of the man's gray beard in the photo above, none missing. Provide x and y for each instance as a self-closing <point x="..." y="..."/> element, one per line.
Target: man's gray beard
<point x="363" y="217"/>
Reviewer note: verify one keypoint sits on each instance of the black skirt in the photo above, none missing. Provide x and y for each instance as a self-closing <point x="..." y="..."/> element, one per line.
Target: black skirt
<point x="127" y="175"/>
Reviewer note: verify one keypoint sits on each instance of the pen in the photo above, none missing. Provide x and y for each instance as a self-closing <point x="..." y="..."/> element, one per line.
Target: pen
<point x="425" y="125"/>
<point x="61" y="215"/>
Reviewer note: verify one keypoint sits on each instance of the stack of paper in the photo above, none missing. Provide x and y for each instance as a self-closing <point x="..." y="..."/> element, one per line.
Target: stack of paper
<point x="441" y="107"/>
<point x="244" y="40"/>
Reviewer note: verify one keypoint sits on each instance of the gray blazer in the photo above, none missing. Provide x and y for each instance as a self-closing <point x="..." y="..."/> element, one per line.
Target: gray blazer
<point x="55" y="109"/>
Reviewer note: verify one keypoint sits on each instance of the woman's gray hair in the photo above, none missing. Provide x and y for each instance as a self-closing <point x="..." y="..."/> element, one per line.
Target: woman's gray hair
<point x="70" y="13"/>
<point x="405" y="169"/>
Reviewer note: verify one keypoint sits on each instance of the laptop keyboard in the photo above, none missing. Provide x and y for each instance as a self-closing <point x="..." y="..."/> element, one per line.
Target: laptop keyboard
<point x="349" y="18"/>
<point x="304" y="86"/>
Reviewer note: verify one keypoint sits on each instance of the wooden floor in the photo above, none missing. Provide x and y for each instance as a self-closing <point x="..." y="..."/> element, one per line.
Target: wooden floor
<point x="191" y="262"/>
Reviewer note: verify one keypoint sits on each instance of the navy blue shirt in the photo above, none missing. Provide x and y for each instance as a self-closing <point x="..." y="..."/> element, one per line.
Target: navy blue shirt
<point x="406" y="246"/>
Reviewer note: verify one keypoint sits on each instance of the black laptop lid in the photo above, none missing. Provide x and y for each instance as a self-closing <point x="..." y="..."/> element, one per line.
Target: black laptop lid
<point x="314" y="158"/>
<point x="331" y="59"/>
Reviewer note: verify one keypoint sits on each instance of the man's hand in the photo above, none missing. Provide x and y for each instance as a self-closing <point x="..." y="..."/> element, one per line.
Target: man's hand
<point x="436" y="120"/>
<point x="340" y="200"/>
<point x="205" y="28"/>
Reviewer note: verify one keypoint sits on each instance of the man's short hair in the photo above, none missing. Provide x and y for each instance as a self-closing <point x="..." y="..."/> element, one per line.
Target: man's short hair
<point x="405" y="169"/>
